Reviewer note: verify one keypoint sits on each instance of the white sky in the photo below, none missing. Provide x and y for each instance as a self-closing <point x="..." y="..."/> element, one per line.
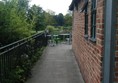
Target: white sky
<point x="58" y="6"/>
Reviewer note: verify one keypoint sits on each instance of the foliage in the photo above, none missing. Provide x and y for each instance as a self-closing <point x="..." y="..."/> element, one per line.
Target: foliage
<point x="60" y="19"/>
<point x="23" y="70"/>
<point x="18" y="20"/>
<point x="36" y="18"/>
<point x="49" y="18"/>
<point x="68" y="20"/>
<point x="50" y="29"/>
<point x="13" y="24"/>
<point x="16" y="75"/>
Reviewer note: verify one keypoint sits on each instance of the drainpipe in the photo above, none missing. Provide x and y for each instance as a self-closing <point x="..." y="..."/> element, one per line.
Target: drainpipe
<point x="109" y="41"/>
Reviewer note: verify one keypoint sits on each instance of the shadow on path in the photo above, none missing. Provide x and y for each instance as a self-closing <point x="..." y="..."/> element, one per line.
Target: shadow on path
<point x="57" y="65"/>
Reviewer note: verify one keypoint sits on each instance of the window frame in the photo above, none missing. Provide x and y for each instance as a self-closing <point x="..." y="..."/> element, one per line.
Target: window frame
<point x="86" y="22"/>
<point x="93" y="20"/>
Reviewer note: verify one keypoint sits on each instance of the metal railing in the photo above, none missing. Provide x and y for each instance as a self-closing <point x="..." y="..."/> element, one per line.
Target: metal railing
<point x="11" y="55"/>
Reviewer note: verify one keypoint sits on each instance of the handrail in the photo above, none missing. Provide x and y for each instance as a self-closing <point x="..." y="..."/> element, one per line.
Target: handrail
<point x="20" y="41"/>
<point x="11" y="54"/>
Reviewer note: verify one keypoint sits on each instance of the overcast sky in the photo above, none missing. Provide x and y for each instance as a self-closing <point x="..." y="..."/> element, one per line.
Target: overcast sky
<point x="58" y="6"/>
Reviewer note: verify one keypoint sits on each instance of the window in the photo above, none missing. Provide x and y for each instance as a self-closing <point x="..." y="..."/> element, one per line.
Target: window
<point x="86" y="22"/>
<point x="93" y="20"/>
<point x="85" y="9"/>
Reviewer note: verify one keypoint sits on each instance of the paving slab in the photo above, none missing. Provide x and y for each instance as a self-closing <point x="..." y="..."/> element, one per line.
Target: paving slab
<point x="57" y="65"/>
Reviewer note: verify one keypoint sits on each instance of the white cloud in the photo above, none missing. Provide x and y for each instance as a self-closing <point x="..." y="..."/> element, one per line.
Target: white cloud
<point x="58" y="6"/>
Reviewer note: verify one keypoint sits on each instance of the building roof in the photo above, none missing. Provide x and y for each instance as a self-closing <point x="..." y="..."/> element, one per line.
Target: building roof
<point x="75" y="3"/>
<point x="71" y="7"/>
<point x="84" y="5"/>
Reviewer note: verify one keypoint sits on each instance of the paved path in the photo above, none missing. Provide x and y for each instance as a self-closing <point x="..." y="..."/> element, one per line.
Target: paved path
<point x="57" y="65"/>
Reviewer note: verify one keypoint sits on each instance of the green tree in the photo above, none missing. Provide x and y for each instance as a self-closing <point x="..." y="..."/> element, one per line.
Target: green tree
<point x="68" y="19"/>
<point x="36" y="18"/>
<point x="49" y="18"/>
<point x="59" y="19"/>
<point x="13" y="24"/>
<point x="51" y="29"/>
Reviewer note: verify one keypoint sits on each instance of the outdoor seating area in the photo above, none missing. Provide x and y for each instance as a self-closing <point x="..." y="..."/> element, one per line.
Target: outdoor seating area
<point x="61" y="38"/>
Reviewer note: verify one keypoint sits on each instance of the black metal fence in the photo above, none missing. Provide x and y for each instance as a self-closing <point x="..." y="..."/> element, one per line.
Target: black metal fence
<point x="11" y="55"/>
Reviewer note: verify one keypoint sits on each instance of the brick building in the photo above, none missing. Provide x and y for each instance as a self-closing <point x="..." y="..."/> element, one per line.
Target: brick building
<point x="95" y="39"/>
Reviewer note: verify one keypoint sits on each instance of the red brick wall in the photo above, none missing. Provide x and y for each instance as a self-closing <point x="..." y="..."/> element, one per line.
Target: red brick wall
<point x="89" y="54"/>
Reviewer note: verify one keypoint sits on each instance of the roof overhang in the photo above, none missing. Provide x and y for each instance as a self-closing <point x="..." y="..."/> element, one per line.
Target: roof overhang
<point x="84" y="5"/>
<point x="71" y="7"/>
<point x="75" y="3"/>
